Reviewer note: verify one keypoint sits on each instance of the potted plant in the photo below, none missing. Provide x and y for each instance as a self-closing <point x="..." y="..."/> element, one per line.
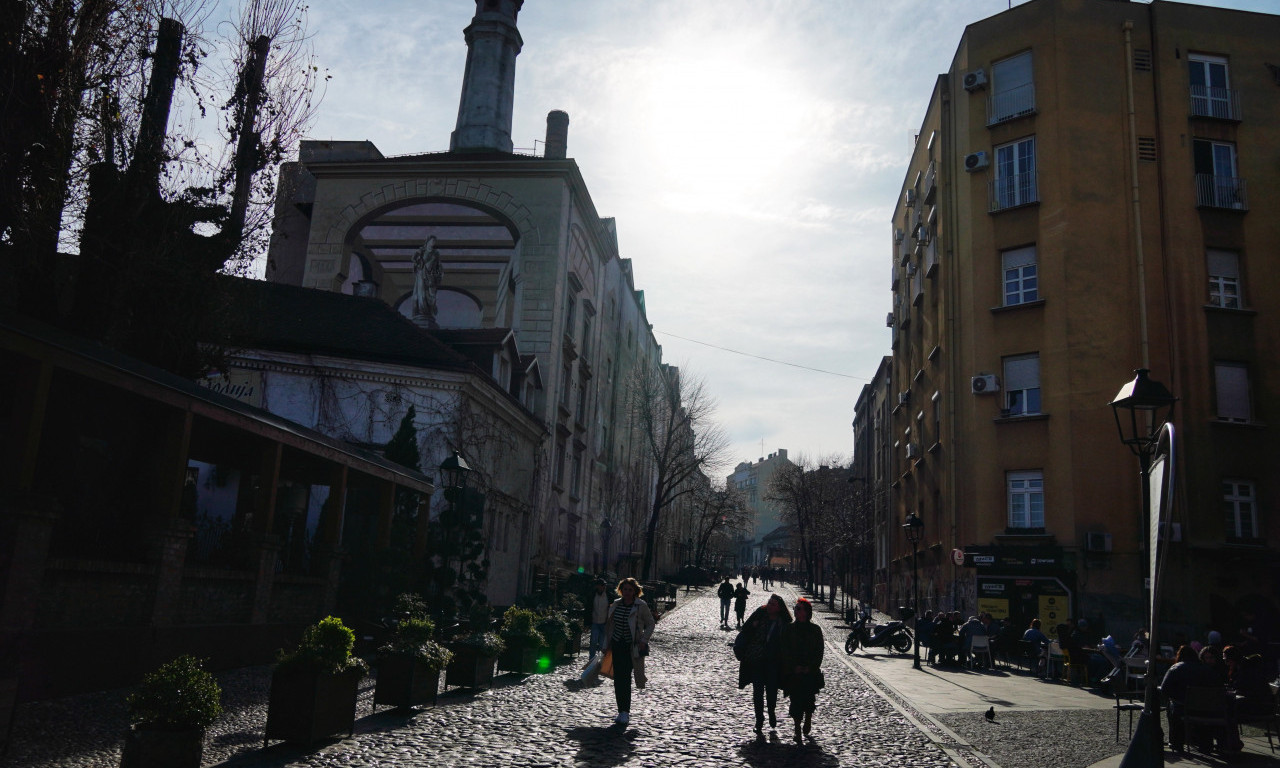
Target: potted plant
<point x="522" y="640"/>
<point x="554" y="628"/>
<point x="314" y="688"/>
<point x="169" y="713"/>
<point x="575" y="614"/>
<point x="475" y="654"/>
<point x="409" y="665"/>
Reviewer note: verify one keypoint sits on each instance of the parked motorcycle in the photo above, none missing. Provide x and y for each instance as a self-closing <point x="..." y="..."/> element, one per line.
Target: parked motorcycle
<point x="894" y="635"/>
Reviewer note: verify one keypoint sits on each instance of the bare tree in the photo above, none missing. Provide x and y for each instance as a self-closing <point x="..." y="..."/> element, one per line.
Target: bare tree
<point x="819" y="502"/>
<point x="672" y="414"/>
<point x="719" y="517"/>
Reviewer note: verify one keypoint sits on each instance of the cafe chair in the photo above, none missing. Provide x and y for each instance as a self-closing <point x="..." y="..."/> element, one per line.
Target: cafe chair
<point x="1206" y="707"/>
<point x="1053" y="661"/>
<point x="1129" y="705"/>
<point x="980" y="645"/>
<point x="1262" y="714"/>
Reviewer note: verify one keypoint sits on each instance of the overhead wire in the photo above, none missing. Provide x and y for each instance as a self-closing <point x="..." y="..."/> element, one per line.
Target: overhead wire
<point x="759" y="357"/>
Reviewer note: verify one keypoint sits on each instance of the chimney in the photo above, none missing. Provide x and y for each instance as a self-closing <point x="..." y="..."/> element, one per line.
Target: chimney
<point x="489" y="81"/>
<point x="557" y="134"/>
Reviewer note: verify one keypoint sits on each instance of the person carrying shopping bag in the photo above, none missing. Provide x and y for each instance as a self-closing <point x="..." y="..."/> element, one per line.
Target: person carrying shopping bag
<point x="628" y="628"/>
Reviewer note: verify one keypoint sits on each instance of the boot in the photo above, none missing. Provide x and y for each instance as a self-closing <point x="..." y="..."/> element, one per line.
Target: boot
<point x="759" y="725"/>
<point x="808" y="722"/>
<point x="799" y="738"/>
<point x="773" y="719"/>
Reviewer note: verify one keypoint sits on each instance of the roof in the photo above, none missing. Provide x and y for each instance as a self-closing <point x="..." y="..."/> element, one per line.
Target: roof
<point x="288" y="318"/>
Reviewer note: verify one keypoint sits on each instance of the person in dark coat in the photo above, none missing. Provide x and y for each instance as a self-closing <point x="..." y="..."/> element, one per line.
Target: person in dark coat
<point x="740" y="595"/>
<point x="1186" y="672"/>
<point x="801" y="666"/>
<point x="759" y="651"/>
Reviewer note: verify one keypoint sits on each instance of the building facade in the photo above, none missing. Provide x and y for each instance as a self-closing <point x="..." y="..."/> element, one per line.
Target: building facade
<point x="751" y="479"/>
<point x="1089" y="194"/>
<point x="521" y="248"/>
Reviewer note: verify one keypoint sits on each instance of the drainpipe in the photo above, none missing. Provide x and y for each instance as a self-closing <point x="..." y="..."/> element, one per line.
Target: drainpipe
<point x="1137" y="204"/>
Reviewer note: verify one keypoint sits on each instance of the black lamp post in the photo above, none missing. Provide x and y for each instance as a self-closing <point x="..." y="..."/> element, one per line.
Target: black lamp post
<point x="606" y="528"/>
<point x="454" y="471"/>
<point x="915" y="529"/>
<point x="1142" y="433"/>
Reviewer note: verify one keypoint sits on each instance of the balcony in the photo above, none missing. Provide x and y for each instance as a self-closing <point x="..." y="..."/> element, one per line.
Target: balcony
<point x="1217" y="103"/>
<point x="1226" y="192"/>
<point x="1010" y="105"/>
<point x="931" y="182"/>
<point x="931" y="258"/>
<point x="1012" y="191"/>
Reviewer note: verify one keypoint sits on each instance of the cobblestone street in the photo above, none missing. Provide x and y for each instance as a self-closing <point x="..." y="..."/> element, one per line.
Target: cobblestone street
<point x="692" y="713"/>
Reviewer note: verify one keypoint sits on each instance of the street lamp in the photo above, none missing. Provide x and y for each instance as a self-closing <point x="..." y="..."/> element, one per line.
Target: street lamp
<point x="453" y="474"/>
<point x="1155" y="402"/>
<point x="915" y="529"/>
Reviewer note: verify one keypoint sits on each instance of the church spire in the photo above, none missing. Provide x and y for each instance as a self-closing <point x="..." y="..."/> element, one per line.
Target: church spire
<point x="488" y="85"/>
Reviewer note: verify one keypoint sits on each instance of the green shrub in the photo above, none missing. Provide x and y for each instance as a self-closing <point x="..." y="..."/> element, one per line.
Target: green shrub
<point x="326" y="645"/>
<point x="414" y="638"/>
<point x="485" y="643"/>
<point x="177" y="696"/>
<point x="519" y="625"/>
<point x="554" y="628"/>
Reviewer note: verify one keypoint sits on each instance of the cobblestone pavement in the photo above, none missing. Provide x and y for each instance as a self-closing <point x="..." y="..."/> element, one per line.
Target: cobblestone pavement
<point x="692" y="714"/>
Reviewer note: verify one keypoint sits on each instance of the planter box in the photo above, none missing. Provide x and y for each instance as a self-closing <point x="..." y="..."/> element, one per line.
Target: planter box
<point x="154" y="748"/>
<point x="405" y="682"/>
<point x="575" y="644"/>
<point x="519" y="657"/>
<point x="307" y="705"/>
<point x="469" y="669"/>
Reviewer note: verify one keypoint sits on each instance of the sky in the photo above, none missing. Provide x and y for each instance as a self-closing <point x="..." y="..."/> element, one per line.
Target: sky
<point x="751" y="152"/>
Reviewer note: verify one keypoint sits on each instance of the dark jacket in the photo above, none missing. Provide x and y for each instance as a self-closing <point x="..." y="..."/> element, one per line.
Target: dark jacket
<point x="801" y="647"/>
<point x="761" y="632"/>
<point x="725" y="592"/>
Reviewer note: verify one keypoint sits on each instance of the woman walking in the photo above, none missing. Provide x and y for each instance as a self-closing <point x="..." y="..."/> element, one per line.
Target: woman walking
<point x="629" y="626"/>
<point x="759" y="649"/>
<point x="801" y="663"/>
<point x="740" y="595"/>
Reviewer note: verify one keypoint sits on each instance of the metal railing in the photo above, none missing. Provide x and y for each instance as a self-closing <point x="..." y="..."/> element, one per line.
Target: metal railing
<point x="1011" y="104"/>
<point x="1012" y="191"/>
<point x="1221" y="192"/>
<point x="1220" y="103"/>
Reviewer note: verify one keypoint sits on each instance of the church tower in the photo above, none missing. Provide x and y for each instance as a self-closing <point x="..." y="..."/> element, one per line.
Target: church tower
<point x="488" y="84"/>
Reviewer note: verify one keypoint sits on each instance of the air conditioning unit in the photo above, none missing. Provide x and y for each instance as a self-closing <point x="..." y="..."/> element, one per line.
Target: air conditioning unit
<point x="913" y="451"/>
<point x="976" y="161"/>
<point x="984" y="384"/>
<point x="1095" y="541"/>
<point x="888" y="320"/>
<point x="904" y="397"/>
<point x="897" y="235"/>
<point x="975" y="80"/>
<point x="911" y="269"/>
<point x="910" y="197"/>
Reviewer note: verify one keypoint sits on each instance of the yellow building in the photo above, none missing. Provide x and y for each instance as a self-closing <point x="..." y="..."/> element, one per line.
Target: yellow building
<point x="1092" y="191"/>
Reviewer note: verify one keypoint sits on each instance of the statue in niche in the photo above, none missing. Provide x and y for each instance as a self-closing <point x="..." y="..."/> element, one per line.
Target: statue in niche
<point x="427" y="275"/>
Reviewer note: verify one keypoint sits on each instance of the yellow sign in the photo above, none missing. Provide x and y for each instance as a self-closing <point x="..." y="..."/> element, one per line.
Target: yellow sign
<point x="1053" y="609"/>
<point x="998" y="607"/>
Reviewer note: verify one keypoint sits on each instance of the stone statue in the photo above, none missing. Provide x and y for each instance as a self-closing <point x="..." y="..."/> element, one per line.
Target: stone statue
<point x="427" y="275"/>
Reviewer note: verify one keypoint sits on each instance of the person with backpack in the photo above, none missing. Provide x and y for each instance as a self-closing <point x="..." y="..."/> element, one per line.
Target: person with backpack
<point x="758" y="649"/>
<point x="725" y="593"/>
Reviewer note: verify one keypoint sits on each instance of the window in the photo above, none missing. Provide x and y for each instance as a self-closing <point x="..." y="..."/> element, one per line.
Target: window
<point x="1210" y="89"/>
<point x="575" y="479"/>
<point x="559" y="464"/>
<point x="1021" y="278"/>
<point x="1240" y="506"/>
<point x="582" y="400"/>
<point x="1217" y="185"/>
<point x="1022" y="385"/>
<point x="1026" y="499"/>
<point x="1015" y="182"/>
<point x="586" y="334"/>
<point x="1232" y="384"/>
<point x="1224" y="279"/>
<point x="1012" y="93"/>
<point x="566" y="384"/>
<point x="570" y="311"/>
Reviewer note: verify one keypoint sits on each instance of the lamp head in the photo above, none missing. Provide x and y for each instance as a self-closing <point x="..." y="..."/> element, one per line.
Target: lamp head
<point x="1142" y="395"/>
<point x="914" y="528"/>
<point x="454" y="471"/>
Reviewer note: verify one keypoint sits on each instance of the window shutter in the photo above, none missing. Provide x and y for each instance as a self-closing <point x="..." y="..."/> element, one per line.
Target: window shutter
<point x="1019" y="257"/>
<point x="1224" y="264"/>
<point x="1232" y="381"/>
<point x="1022" y="372"/>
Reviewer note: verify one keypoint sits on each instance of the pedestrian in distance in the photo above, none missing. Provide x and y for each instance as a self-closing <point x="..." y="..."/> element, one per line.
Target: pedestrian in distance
<point x="740" y="595"/>
<point x="801" y="666"/>
<point x="629" y="626"/>
<point x="599" y="613"/>
<point x="725" y="593"/>
<point x="758" y="649"/>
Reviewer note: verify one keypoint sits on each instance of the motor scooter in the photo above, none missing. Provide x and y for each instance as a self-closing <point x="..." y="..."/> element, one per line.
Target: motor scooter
<point x="894" y="635"/>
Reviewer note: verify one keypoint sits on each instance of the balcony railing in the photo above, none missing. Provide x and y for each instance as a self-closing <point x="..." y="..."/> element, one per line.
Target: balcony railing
<point x="1219" y="103"/>
<point x="1011" y="104"/>
<point x="1013" y="190"/>
<point x="931" y="182"/>
<point x="1221" y="192"/>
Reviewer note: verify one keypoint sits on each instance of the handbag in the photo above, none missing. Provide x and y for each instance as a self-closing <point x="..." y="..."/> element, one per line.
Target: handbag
<point x="592" y="670"/>
<point x="606" y="664"/>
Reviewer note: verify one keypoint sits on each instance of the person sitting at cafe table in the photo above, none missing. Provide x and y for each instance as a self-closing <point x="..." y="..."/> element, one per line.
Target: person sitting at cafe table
<point x="943" y="649"/>
<point x="1186" y="672"/>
